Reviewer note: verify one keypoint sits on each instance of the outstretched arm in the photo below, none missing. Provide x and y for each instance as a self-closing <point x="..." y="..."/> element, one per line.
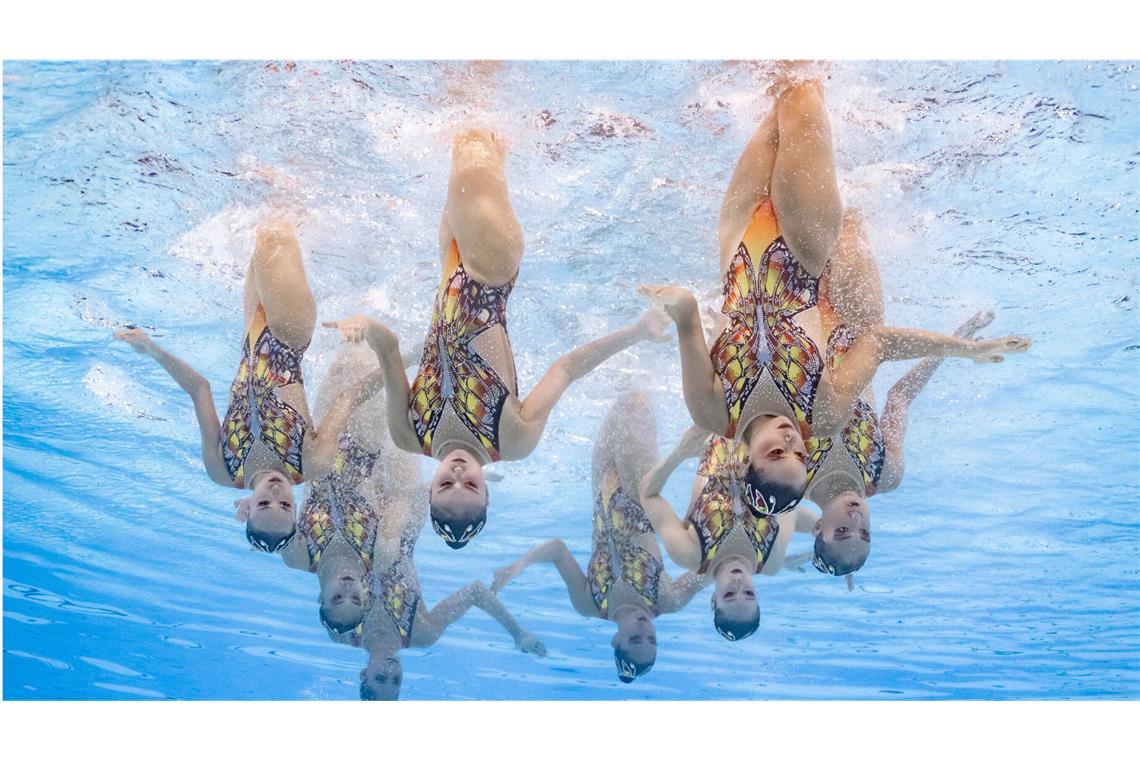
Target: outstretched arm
<point x="885" y="344"/>
<point x="900" y="396"/>
<point x="676" y="594"/>
<point x="198" y="388"/>
<point x="704" y="395"/>
<point x="387" y="347"/>
<point x="321" y="456"/>
<point x="435" y="621"/>
<point x="555" y="552"/>
<point x="677" y="536"/>
<point x="536" y="407"/>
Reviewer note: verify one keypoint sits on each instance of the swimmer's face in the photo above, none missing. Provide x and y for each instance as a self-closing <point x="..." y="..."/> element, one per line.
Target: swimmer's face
<point x="846" y="528"/>
<point x="637" y="636"/>
<point x="381" y="678"/>
<point x="342" y="600"/>
<point x="776" y="452"/>
<point x="271" y="508"/>
<point x="735" y="592"/>
<point x="458" y="486"/>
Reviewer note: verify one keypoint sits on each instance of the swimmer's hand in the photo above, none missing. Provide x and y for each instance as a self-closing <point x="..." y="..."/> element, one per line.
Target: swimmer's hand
<point x="359" y="328"/>
<point x="138" y="340"/>
<point x="529" y="643"/>
<point x="678" y="303"/>
<point x="990" y="351"/>
<point x="654" y="325"/>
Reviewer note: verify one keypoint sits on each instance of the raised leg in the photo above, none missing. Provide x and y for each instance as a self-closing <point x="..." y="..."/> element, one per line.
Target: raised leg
<point x="478" y="214"/>
<point x="276" y="278"/>
<point x="804" y="189"/>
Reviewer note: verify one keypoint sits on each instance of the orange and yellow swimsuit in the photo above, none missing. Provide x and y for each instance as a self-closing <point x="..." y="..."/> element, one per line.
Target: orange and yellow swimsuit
<point x="618" y="520"/>
<point x="335" y="504"/>
<point x="261" y="429"/>
<point x="768" y="356"/>
<point x="864" y="449"/>
<point x="718" y="509"/>
<point x="453" y="374"/>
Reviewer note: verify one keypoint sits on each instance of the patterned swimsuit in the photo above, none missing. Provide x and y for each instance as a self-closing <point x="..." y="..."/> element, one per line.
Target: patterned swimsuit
<point x="453" y="375"/>
<point x="618" y="521"/>
<point x="397" y="589"/>
<point x="335" y="504"/>
<point x="864" y="450"/>
<point x="258" y="421"/>
<point x="772" y="337"/>
<point x="719" y="510"/>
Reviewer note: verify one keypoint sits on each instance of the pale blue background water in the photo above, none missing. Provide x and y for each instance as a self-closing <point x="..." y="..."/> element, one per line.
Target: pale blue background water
<point x="1006" y="565"/>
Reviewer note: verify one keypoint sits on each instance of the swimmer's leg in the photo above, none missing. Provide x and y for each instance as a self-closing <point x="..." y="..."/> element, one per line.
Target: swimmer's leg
<point x="276" y="277"/>
<point x="853" y="286"/>
<point x="748" y="187"/>
<point x="627" y="442"/>
<point x="804" y="189"/>
<point x="478" y="214"/>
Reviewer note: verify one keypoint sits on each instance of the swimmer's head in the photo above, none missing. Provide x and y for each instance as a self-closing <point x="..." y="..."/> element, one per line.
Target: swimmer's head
<point x="457" y="497"/>
<point x="777" y="469"/>
<point x="342" y="601"/>
<point x="842" y="535"/>
<point x="269" y="513"/>
<point x="382" y="676"/>
<point x="635" y="643"/>
<point x="736" y="613"/>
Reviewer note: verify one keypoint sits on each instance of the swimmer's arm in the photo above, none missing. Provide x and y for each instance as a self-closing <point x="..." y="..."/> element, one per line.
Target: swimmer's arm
<point x="676" y="594"/>
<point x="198" y="388"/>
<point x="435" y="621"/>
<point x="700" y="385"/>
<point x="806" y="518"/>
<point x="398" y="392"/>
<point x="320" y="453"/>
<point x="555" y="552"/>
<point x="899" y="398"/>
<point x="535" y="409"/>
<point x="678" y="537"/>
<point x="296" y="554"/>
<point x="884" y="344"/>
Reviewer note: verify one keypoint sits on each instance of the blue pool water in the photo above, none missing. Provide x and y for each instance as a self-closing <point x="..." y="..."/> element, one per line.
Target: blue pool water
<point x="1004" y="567"/>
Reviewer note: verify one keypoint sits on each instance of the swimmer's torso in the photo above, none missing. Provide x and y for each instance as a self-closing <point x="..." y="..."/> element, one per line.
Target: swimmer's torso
<point x="268" y="417"/>
<point x="336" y="504"/>
<point x="395" y="588"/>
<point x="625" y="566"/>
<point x="467" y="372"/>
<point x="724" y="526"/>
<point x="856" y="455"/>
<point x="769" y="355"/>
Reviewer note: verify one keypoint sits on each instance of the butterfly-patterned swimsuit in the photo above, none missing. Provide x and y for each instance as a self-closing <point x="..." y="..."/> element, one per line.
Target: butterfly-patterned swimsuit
<point x="619" y="521"/>
<point x="768" y="356"/>
<point x="859" y="452"/>
<point x="719" y="515"/>
<point x="265" y="424"/>
<point x="336" y="505"/>
<point x="396" y="588"/>
<point x="456" y="375"/>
